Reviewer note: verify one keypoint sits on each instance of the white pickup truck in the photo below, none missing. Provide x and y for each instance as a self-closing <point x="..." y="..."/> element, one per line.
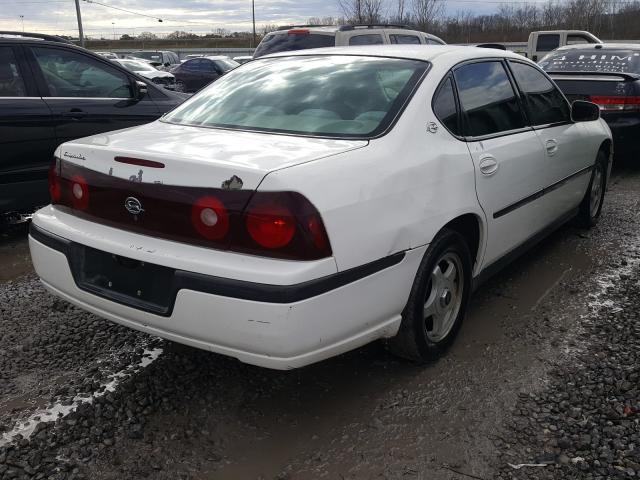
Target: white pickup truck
<point x="541" y="43"/>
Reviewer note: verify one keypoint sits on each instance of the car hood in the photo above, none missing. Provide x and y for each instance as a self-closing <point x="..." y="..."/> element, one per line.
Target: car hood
<point x="198" y="156"/>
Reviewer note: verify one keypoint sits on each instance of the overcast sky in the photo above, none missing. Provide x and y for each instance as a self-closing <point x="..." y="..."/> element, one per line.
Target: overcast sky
<point x="58" y="16"/>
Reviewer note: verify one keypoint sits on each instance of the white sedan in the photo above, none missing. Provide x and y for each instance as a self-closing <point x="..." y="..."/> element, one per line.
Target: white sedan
<point x="148" y="71"/>
<point x="311" y="202"/>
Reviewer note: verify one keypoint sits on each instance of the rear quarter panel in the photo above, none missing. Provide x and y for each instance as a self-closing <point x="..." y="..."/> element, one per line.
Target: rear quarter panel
<point x="392" y="195"/>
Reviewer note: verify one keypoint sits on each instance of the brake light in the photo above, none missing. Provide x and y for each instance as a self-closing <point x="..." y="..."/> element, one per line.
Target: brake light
<point x="210" y="218"/>
<point x="610" y="103"/>
<point x="270" y="225"/>
<point x="55" y="189"/>
<point x="298" y="31"/>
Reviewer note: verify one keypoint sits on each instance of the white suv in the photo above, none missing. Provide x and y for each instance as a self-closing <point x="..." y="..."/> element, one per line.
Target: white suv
<point x="304" y="37"/>
<point x="308" y="203"/>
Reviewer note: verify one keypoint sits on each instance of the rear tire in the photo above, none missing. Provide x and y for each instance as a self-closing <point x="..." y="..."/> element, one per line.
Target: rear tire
<point x="438" y="300"/>
<point x="591" y="206"/>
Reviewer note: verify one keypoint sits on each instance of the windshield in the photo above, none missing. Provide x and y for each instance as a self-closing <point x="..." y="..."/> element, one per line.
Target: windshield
<point x="226" y="64"/>
<point x="284" y="42"/>
<point x="335" y="96"/>
<point x="591" y="60"/>
<point x="137" y="66"/>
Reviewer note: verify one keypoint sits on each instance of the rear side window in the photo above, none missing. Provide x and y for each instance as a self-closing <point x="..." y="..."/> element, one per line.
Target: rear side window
<point x="369" y="39"/>
<point x="592" y="60"/>
<point x="431" y="41"/>
<point x="404" y="39"/>
<point x="548" y="42"/>
<point x="285" y="42"/>
<point x="11" y="83"/>
<point x="487" y="99"/>
<point x="543" y="101"/>
<point x="71" y="74"/>
<point x="576" y="39"/>
<point x="444" y="106"/>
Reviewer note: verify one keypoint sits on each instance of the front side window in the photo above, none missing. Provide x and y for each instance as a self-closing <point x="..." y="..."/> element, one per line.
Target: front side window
<point x="404" y="39"/>
<point x="444" y="106"/>
<point x="548" y="42"/>
<point x="11" y="83"/>
<point x="191" y="65"/>
<point x="487" y="99"/>
<point x="328" y="95"/>
<point x="370" y="39"/>
<point x="543" y="101"/>
<point x="72" y="74"/>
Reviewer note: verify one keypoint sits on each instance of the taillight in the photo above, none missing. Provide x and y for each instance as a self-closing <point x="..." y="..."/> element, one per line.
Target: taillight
<point x="210" y="218"/>
<point x="55" y="188"/>
<point x="609" y="103"/>
<point x="270" y="225"/>
<point x="282" y="224"/>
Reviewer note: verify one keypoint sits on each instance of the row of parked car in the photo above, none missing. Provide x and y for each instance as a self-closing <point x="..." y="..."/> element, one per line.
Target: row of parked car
<point x="51" y="90"/>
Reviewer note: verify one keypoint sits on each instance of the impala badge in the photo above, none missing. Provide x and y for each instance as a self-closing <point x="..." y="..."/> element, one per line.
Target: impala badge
<point x="133" y="206"/>
<point x="234" y="183"/>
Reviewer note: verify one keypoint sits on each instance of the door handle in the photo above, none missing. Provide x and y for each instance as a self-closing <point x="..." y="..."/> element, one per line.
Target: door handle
<point x="74" y="114"/>
<point x="488" y="164"/>
<point x="552" y="147"/>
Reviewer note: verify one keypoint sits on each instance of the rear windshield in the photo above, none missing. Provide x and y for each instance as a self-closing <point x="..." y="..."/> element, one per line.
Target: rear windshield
<point x="325" y="96"/>
<point x="591" y="60"/>
<point x="284" y="42"/>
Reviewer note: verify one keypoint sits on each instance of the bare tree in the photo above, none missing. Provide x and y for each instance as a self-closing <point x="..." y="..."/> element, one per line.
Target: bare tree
<point x="362" y="11"/>
<point x="426" y="12"/>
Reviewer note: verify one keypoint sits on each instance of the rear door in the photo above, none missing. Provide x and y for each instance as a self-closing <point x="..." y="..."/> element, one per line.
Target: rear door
<point x="87" y="95"/>
<point x="27" y="137"/>
<point x="568" y="154"/>
<point x="507" y="156"/>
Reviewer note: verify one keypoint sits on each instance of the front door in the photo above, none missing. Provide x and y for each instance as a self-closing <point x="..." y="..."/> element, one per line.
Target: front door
<point x="88" y="95"/>
<point x="506" y="153"/>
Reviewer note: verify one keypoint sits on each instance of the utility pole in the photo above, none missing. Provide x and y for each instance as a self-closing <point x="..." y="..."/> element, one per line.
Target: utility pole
<point x="80" y="32"/>
<point x="253" y="15"/>
<point x="22" y="19"/>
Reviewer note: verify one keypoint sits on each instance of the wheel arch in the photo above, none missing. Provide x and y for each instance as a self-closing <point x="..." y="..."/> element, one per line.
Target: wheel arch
<point x="471" y="227"/>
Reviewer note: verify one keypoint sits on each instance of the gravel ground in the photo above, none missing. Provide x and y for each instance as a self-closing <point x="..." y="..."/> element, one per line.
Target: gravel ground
<point x="545" y="372"/>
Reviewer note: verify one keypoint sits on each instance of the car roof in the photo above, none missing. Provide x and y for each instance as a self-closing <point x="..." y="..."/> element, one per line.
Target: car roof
<point x="602" y="46"/>
<point x="452" y="53"/>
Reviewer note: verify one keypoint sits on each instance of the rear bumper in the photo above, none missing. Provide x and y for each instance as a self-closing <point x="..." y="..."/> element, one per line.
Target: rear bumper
<point x="274" y="326"/>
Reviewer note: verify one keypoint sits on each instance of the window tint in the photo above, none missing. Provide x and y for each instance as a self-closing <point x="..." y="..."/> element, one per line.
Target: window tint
<point x="543" y="101"/>
<point x="71" y="74"/>
<point x="370" y="39"/>
<point x="488" y="99"/>
<point x="324" y="95"/>
<point x="284" y="42"/>
<point x="405" y="39"/>
<point x="548" y="42"/>
<point x="444" y="106"/>
<point x="11" y="83"/>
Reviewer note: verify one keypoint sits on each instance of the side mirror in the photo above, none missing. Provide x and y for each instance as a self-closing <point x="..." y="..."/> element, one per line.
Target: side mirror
<point x="167" y="64"/>
<point x="141" y="90"/>
<point x="582" y="111"/>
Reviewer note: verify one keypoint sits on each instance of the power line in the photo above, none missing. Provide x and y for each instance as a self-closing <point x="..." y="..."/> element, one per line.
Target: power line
<point x="124" y="10"/>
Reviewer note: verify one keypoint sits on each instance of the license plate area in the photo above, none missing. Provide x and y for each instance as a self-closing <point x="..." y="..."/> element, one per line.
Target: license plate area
<point x="137" y="284"/>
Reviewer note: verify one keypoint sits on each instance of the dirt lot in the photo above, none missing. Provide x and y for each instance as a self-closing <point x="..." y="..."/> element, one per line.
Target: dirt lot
<point x="545" y="372"/>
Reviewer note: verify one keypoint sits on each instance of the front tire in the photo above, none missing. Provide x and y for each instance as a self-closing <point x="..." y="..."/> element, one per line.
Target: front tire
<point x="438" y="300"/>
<point x="591" y="206"/>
